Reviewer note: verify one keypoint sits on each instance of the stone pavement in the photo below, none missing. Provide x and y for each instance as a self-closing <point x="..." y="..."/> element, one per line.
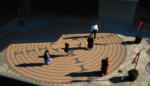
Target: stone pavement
<point x="51" y="33"/>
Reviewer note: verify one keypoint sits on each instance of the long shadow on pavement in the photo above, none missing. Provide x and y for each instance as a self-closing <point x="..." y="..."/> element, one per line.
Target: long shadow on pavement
<point x="119" y="79"/>
<point x="45" y="33"/>
<point x="31" y="64"/>
<point x="95" y="73"/>
<point x="6" y="81"/>
<point x="129" y="42"/>
<point x="53" y="56"/>
<point x="77" y="48"/>
<point x="76" y="37"/>
<point x="113" y="80"/>
<point x="123" y="43"/>
<point x="85" y="74"/>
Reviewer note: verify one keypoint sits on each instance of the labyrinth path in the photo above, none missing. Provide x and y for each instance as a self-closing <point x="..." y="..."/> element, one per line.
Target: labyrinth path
<point x="27" y="58"/>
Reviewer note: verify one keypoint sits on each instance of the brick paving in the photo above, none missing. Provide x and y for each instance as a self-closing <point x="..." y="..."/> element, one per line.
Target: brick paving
<point x="25" y="54"/>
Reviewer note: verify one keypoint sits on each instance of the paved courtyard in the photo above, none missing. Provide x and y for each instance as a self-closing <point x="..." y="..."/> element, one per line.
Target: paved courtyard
<point x="22" y="49"/>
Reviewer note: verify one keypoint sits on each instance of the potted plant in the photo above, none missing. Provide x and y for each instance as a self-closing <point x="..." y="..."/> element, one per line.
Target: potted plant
<point x="138" y="39"/>
<point x="21" y="23"/>
<point x="133" y="74"/>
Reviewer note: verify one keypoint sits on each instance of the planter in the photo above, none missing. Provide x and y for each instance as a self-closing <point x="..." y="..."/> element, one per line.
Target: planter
<point x="133" y="74"/>
<point x="138" y="39"/>
<point x="21" y="23"/>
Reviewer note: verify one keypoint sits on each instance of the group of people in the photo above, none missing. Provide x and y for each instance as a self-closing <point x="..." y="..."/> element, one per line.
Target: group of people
<point x="94" y="29"/>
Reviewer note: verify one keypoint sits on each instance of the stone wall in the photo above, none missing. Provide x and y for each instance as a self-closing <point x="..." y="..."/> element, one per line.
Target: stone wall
<point x="117" y="11"/>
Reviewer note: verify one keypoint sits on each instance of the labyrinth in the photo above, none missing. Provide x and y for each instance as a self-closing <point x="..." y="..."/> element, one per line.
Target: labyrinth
<point x="83" y="64"/>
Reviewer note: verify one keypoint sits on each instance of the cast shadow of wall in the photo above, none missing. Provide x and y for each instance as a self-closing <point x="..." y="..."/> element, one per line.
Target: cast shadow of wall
<point x="45" y="33"/>
<point x="6" y="81"/>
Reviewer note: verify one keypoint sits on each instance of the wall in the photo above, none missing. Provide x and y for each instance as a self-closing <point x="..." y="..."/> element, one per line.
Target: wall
<point x="117" y="11"/>
<point x="25" y="6"/>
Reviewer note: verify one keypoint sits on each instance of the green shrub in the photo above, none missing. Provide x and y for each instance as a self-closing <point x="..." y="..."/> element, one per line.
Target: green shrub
<point x="133" y="72"/>
<point x="139" y="36"/>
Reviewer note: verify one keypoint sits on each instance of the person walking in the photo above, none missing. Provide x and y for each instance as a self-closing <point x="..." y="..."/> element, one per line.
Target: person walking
<point x="47" y="57"/>
<point x="90" y="42"/>
<point x="67" y="49"/>
<point x="94" y="29"/>
<point x="104" y="67"/>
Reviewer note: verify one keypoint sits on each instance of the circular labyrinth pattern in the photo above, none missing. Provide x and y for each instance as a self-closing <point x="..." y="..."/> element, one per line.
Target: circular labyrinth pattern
<point x="27" y="58"/>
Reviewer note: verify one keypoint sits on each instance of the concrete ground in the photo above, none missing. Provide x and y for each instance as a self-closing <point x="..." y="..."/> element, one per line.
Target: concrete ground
<point x="57" y="27"/>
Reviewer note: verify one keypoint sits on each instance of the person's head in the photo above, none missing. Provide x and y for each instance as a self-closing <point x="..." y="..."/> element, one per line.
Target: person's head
<point x="106" y="58"/>
<point x="95" y="24"/>
<point x="90" y="36"/>
<point x="66" y="44"/>
<point x="46" y="51"/>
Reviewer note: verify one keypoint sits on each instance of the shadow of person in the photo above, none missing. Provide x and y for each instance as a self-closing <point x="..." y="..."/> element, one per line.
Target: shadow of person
<point x="75" y="37"/>
<point x="77" y="48"/>
<point x="128" y="42"/>
<point x="119" y="79"/>
<point x="53" y="56"/>
<point x="86" y="74"/>
<point x="30" y="64"/>
<point x="99" y="44"/>
<point x="81" y="81"/>
<point x="94" y="73"/>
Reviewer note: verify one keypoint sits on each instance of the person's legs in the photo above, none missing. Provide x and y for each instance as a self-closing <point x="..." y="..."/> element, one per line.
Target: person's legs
<point x="94" y="31"/>
<point x="91" y="32"/>
<point x="47" y="61"/>
<point x="92" y="45"/>
<point x="106" y="70"/>
<point x="68" y="53"/>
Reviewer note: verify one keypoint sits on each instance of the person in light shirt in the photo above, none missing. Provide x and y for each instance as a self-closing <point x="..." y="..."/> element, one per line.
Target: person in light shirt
<point x="94" y="29"/>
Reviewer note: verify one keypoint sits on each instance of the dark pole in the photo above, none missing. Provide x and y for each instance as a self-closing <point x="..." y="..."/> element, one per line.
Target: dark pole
<point x="138" y="59"/>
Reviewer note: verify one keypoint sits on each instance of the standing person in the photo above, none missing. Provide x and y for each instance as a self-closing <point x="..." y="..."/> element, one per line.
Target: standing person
<point x="104" y="67"/>
<point x="90" y="42"/>
<point x="67" y="49"/>
<point x="94" y="29"/>
<point x="107" y="63"/>
<point x="47" y="57"/>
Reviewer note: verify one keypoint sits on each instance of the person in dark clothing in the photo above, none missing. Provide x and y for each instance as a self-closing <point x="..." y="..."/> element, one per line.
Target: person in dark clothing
<point x="90" y="42"/>
<point x="47" y="57"/>
<point x="104" y="66"/>
<point x="67" y="49"/>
